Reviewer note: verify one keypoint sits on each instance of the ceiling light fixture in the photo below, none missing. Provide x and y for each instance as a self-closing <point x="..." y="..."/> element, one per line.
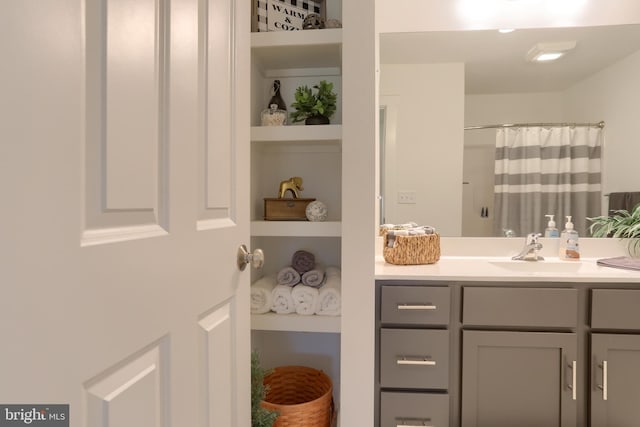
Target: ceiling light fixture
<point x="506" y="30"/>
<point x="545" y="52"/>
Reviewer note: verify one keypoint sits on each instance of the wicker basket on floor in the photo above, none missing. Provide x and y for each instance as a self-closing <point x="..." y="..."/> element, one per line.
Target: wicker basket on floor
<point x="302" y="397"/>
<point x="412" y="250"/>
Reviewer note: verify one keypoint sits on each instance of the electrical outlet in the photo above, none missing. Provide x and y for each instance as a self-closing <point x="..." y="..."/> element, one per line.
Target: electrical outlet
<point x="407" y="197"/>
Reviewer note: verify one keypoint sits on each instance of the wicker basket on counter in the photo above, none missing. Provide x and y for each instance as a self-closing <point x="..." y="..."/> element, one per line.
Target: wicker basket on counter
<point x="302" y="396"/>
<point x="412" y="250"/>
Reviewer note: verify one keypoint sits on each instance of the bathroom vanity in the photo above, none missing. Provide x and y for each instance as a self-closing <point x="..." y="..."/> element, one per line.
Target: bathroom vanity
<point x="491" y="342"/>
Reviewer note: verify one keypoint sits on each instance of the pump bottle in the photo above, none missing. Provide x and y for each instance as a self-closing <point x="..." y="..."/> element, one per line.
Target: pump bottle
<point x="569" y="249"/>
<point x="551" y="230"/>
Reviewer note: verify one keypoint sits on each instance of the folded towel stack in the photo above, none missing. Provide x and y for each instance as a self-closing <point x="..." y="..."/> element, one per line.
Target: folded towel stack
<point x="288" y="276"/>
<point x="303" y="287"/>
<point x="262" y="294"/>
<point x="303" y="261"/>
<point x="329" y="301"/>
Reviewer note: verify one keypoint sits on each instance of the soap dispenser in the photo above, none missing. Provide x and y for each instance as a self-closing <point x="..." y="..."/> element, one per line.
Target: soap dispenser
<point x="551" y="230"/>
<point x="569" y="249"/>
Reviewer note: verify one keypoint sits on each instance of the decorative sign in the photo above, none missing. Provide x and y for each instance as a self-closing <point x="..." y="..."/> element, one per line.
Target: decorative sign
<point x="283" y="15"/>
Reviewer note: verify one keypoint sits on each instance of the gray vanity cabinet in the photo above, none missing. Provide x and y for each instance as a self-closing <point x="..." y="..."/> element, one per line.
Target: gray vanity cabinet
<point x="518" y="379"/>
<point x="615" y="376"/>
<point x="615" y="358"/>
<point x="413" y="356"/>
<point x="514" y="377"/>
<point x="494" y="354"/>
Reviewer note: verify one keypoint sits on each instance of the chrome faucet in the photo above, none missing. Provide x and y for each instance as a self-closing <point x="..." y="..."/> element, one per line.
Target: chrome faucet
<point x="530" y="250"/>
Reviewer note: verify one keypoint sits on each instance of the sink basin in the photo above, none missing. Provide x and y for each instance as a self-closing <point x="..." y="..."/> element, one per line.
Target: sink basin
<point x="538" y="266"/>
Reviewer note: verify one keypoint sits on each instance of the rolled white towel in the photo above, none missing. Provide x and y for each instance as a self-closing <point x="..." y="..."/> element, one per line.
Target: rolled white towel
<point x="304" y="299"/>
<point x="262" y="294"/>
<point x="329" y="302"/>
<point x="288" y="276"/>
<point x="282" y="300"/>
<point x="332" y="271"/>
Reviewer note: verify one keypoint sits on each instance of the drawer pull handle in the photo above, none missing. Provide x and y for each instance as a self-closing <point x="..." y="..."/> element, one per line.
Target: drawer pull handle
<point x="604" y="386"/>
<point x="572" y="386"/>
<point x="420" y="362"/>
<point x="414" y="422"/>
<point x="416" y="307"/>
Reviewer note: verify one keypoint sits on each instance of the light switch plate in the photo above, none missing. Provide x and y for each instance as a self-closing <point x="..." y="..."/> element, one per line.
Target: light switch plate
<point x="407" y="197"/>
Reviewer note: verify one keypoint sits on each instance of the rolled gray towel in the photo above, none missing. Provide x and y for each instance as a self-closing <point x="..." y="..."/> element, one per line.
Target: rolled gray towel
<point x="314" y="278"/>
<point x="303" y="261"/>
<point x="288" y="276"/>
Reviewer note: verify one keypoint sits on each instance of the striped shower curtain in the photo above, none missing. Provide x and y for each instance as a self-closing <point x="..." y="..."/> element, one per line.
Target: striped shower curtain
<point x="541" y="171"/>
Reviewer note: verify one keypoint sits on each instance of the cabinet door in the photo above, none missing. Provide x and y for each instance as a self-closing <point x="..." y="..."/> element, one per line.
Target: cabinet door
<point x="524" y="379"/>
<point x="615" y="380"/>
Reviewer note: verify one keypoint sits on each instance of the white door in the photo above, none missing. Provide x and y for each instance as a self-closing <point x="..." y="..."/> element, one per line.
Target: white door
<point x="123" y="180"/>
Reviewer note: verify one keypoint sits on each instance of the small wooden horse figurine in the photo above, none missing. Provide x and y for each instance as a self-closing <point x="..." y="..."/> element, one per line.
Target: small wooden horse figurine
<point x="293" y="184"/>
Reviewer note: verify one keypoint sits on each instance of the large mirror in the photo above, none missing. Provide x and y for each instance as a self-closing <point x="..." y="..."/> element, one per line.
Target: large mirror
<point x="434" y="84"/>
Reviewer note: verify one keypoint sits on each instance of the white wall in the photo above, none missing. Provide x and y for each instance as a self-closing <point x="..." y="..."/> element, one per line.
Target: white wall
<point x="510" y="108"/>
<point x="613" y="95"/>
<point x="437" y="15"/>
<point x="428" y="147"/>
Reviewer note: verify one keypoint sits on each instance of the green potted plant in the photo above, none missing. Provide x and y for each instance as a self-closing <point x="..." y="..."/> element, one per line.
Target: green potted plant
<point x="621" y="224"/>
<point x="314" y="108"/>
<point x="260" y="416"/>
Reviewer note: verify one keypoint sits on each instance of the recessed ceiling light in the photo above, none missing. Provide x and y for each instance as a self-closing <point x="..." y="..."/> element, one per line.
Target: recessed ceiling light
<point x="545" y="52"/>
<point x="506" y="30"/>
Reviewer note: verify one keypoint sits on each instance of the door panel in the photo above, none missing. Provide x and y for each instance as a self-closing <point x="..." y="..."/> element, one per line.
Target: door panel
<point x="115" y="299"/>
<point x="216" y="365"/>
<point x="615" y="390"/>
<point x="132" y="394"/>
<point x="518" y="378"/>
<point x="126" y="141"/>
<point x="217" y="107"/>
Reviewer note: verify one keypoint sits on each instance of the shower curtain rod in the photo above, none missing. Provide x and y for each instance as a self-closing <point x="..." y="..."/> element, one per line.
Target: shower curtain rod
<point x="520" y="125"/>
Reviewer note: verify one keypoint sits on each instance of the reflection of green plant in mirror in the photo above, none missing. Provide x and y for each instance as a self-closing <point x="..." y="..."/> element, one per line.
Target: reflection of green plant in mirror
<point x="308" y="104"/>
<point x="621" y="224"/>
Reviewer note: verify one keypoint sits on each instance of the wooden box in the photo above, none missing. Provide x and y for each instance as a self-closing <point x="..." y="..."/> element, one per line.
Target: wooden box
<point x="286" y="209"/>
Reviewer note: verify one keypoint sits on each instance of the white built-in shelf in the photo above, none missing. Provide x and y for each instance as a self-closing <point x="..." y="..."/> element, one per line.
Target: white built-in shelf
<point x="279" y="50"/>
<point x="295" y="133"/>
<point x="295" y="323"/>
<point x="296" y="228"/>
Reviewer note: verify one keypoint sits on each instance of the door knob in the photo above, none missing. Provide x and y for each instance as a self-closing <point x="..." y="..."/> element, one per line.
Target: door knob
<point x="245" y="257"/>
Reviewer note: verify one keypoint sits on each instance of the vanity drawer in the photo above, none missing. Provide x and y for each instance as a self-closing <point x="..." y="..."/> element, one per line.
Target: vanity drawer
<point x="415" y="305"/>
<point x="414" y="409"/>
<point x="414" y="358"/>
<point x="530" y="307"/>
<point x="615" y="309"/>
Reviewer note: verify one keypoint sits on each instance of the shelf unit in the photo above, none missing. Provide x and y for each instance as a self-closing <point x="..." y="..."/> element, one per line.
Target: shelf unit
<point x="297" y="53"/>
<point x="295" y="323"/>
<point x="296" y="228"/>
<point x="315" y="154"/>
<point x="299" y="134"/>
<point x="294" y="58"/>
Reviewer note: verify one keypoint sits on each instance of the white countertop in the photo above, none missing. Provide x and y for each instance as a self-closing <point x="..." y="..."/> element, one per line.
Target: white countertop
<point x="489" y="259"/>
<point x="501" y="269"/>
